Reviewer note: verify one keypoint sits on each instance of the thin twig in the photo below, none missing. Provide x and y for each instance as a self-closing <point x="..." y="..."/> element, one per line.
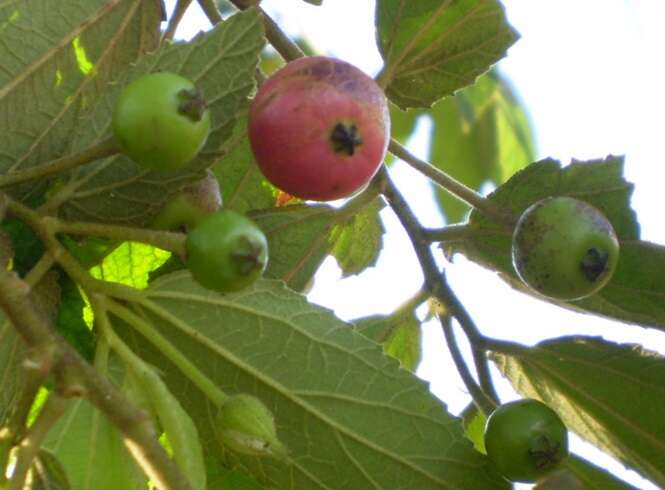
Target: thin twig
<point x="435" y="280"/>
<point x="455" y="187"/>
<point x="482" y="401"/>
<point x="166" y="240"/>
<point x="210" y="10"/>
<point x="450" y="233"/>
<point x="98" y="151"/>
<point x="177" y="15"/>
<point x="279" y="40"/>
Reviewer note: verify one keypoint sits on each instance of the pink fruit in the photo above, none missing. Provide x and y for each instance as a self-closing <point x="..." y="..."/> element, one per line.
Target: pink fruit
<point x="319" y="128"/>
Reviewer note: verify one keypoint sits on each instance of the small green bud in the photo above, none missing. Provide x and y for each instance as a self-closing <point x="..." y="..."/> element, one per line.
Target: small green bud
<point x="245" y="425"/>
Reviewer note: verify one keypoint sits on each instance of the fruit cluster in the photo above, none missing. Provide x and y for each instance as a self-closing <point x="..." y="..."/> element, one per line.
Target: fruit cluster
<point x="319" y="130"/>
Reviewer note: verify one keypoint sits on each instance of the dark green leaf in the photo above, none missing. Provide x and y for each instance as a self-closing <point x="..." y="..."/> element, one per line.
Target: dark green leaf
<point x="70" y="323"/>
<point x="610" y="394"/>
<point x="349" y="416"/>
<point x="432" y="48"/>
<point x="27" y="248"/>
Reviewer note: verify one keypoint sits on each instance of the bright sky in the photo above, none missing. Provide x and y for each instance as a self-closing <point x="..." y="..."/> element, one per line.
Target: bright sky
<point x="591" y="75"/>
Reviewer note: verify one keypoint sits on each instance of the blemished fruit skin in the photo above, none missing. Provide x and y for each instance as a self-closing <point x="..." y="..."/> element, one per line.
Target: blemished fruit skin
<point x="161" y="121"/>
<point x="319" y="128"/>
<point x="525" y="440"/>
<point x="226" y="252"/>
<point x="564" y="248"/>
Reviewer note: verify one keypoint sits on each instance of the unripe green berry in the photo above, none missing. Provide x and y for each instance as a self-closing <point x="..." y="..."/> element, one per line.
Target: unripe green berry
<point x="161" y="121"/>
<point x="525" y="440"/>
<point x="226" y="251"/>
<point x="564" y="248"/>
<point x="245" y="425"/>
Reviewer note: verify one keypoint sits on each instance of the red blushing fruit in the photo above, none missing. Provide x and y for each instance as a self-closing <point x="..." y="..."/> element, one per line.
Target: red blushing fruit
<point x="319" y="128"/>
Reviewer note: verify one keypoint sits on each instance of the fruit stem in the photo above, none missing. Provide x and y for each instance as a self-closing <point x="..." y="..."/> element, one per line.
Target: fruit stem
<point x="452" y="233"/>
<point x="97" y="151"/>
<point x="435" y="280"/>
<point x="166" y="348"/>
<point x="166" y="240"/>
<point x="482" y="401"/>
<point x="279" y="40"/>
<point x="192" y="104"/>
<point x="455" y="187"/>
<point x="174" y="21"/>
<point x="210" y="10"/>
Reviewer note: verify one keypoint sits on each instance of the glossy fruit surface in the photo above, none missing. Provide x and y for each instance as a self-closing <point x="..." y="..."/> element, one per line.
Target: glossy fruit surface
<point x="319" y="128"/>
<point x="226" y="251"/>
<point x="161" y="121"/>
<point x="564" y="248"/>
<point x="525" y="440"/>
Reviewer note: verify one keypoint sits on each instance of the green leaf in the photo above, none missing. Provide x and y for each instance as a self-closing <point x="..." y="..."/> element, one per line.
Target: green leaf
<point x="131" y="264"/>
<point x="71" y="55"/>
<point x="359" y="240"/>
<point x="610" y="394"/>
<point x="481" y="135"/>
<point x="301" y="236"/>
<point x="636" y="291"/>
<point x="241" y="182"/>
<point x="400" y="334"/>
<point x="70" y="323"/>
<point x="27" y="248"/>
<point x="92" y="452"/>
<point x="47" y="473"/>
<point x="297" y="241"/>
<point x="349" y="415"/>
<point x="431" y="48"/>
<point x="222" y="64"/>
<point x="474" y="426"/>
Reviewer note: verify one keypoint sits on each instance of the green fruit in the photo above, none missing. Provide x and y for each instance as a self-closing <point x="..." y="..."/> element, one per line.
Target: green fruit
<point x="245" y="425"/>
<point x="564" y="248"/>
<point x="226" y="252"/>
<point x="191" y="205"/>
<point x="525" y="440"/>
<point x="161" y="121"/>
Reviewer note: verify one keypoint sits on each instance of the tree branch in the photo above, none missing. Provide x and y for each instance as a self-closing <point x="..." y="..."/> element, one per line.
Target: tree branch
<point x="484" y="403"/>
<point x="435" y="281"/>
<point x="38" y="332"/>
